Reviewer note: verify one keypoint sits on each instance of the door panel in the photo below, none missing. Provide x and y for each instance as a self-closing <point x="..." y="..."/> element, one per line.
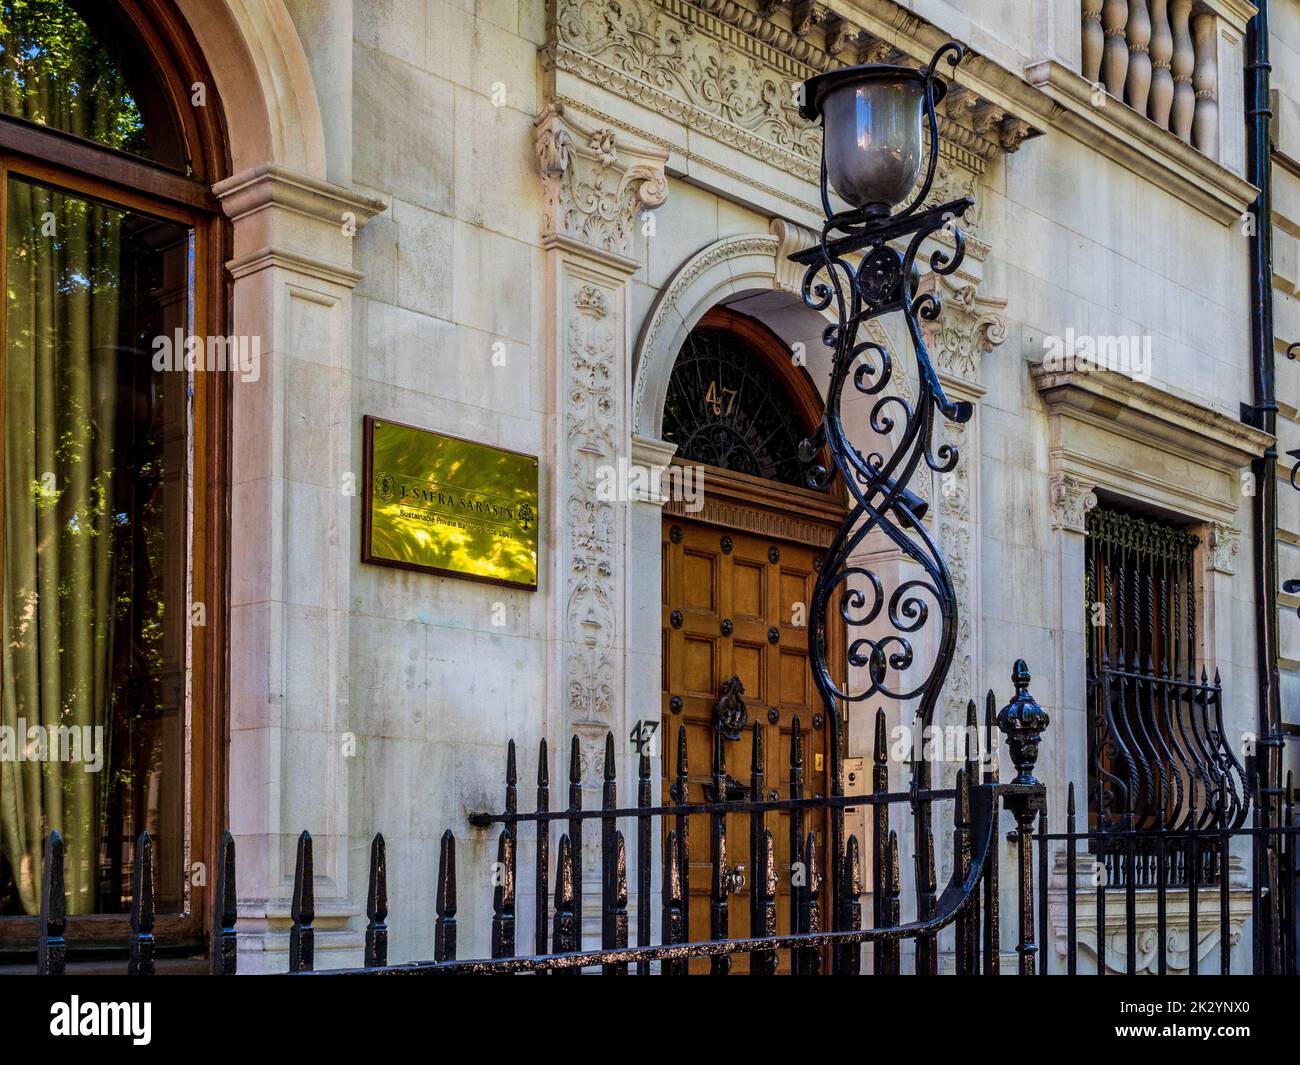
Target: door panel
<point x="736" y="604"/>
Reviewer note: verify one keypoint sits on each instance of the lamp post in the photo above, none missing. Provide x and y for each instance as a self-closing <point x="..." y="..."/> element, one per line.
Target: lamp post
<point x="874" y="121"/>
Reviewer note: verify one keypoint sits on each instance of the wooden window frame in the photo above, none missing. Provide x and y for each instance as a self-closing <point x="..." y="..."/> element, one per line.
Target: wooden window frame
<point x="82" y="168"/>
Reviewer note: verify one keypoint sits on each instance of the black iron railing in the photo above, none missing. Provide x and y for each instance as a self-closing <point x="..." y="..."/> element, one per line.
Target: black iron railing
<point x="825" y="934"/>
<point x="1123" y="897"/>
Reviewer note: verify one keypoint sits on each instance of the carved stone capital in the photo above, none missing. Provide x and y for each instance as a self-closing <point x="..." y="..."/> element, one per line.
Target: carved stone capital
<point x="597" y="182"/>
<point x="1071" y="501"/>
<point x="969" y="325"/>
<point x="1224" y="543"/>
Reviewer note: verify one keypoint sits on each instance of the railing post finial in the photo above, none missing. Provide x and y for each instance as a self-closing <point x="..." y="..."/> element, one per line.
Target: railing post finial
<point x="1023" y="722"/>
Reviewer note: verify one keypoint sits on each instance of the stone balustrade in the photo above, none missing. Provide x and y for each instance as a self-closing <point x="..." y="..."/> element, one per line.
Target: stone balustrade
<point x="1161" y="58"/>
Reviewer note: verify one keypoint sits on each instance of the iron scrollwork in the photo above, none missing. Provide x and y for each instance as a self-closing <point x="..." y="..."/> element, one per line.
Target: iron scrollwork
<point x="857" y="272"/>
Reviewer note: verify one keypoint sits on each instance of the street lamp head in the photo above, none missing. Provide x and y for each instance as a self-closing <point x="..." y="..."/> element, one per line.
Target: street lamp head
<point x="872" y="119"/>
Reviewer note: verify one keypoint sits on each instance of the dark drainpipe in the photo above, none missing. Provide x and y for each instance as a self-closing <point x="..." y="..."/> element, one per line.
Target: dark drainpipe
<point x="1262" y="413"/>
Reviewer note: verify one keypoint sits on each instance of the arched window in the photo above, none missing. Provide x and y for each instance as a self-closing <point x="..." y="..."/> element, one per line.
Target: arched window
<point x="733" y="401"/>
<point x="112" y="443"/>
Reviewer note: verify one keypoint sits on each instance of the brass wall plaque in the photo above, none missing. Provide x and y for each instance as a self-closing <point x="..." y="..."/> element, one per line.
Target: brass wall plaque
<point x="444" y="505"/>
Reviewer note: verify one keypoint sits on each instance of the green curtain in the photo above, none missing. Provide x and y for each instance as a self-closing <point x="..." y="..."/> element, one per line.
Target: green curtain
<point x="60" y="392"/>
<point x="60" y="400"/>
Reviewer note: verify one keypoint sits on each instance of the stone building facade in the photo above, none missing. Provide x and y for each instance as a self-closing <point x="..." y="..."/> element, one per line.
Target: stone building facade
<point x="503" y="219"/>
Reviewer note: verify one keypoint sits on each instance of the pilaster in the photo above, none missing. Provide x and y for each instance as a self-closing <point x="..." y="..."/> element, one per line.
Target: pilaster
<point x="292" y="498"/>
<point x="599" y="186"/>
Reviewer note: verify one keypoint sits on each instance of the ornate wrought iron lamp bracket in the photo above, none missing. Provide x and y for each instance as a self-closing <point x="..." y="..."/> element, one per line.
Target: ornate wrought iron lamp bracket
<point x="863" y="267"/>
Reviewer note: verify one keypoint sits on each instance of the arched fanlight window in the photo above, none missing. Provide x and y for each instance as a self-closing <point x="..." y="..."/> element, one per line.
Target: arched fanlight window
<point x="729" y="406"/>
<point x="111" y="441"/>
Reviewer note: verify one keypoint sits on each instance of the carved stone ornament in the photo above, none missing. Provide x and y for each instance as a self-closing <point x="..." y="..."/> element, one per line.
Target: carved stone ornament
<point x="969" y="326"/>
<point x="592" y="550"/>
<point x="728" y="70"/>
<point x="597" y="183"/>
<point x="1071" y="501"/>
<point x="1224" y="543"/>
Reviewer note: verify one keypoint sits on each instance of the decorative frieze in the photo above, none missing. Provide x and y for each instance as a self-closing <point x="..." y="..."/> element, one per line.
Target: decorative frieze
<point x="731" y="72"/>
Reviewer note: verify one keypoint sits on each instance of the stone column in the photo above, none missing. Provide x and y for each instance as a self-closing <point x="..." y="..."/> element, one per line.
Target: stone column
<point x="599" y="190"/>
<point x="294" y="462"/>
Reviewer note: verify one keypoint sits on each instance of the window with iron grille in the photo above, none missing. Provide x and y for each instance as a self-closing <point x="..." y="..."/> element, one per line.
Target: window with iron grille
<point x="1159" y="760"/>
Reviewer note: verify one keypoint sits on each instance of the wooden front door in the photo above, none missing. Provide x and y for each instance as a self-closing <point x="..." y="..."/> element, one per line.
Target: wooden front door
<point x="735" y="604"/>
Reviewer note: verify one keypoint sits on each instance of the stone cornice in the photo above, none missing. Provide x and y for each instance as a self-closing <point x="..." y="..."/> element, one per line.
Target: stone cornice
<point x="1151" y="415"/>
<point x="1139" y="144"/>
<point x="271" y="185"/>
<point x="1237" y="12"/>
<point x="263" y="258"/>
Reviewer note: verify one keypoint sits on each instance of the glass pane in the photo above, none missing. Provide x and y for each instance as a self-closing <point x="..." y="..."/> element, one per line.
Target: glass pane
<point x="95" y="548"/>
<point x="726" y="408"/>
<point x="74" y="66"/>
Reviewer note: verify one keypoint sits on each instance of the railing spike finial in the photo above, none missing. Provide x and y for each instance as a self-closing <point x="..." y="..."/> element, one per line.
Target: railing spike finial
<point x="444" y="926"/>
<point x="851" y="960"/>
<point x="972" y="738"/>
<point x="302" y="938"/>
<point x="564" y="935"/>
<point x="51" y="951"/>
<point x="503" y="897"/>
<point x="609" y="756"/>
<point x="990" y="734"/>
<point x="893" y="906"/>
<point x="575" y="762"/>
<point x="377" y="905"/>
<point x="225" y="911"/>
<point x="140" y="962"/>
<point x="810" y="921"/>
<point x="674" y="925"/>
<point x="618" y="914"/>
<point x="542" y="854"/>
<point x="1069" y="799"/>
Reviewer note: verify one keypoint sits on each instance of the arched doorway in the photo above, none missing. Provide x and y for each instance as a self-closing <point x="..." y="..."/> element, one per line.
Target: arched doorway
<point x="739" y="564"/>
